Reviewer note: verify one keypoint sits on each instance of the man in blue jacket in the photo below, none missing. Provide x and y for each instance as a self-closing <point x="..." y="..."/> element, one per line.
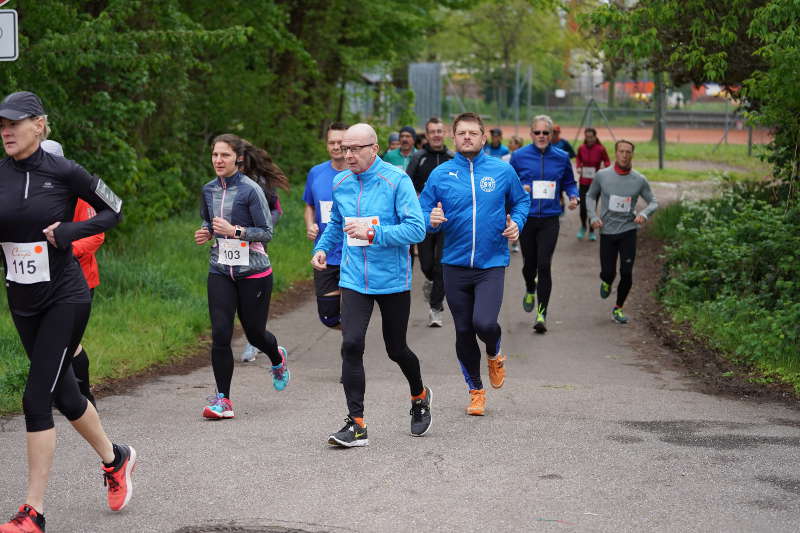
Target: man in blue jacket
<point x="376" y="212"/>
<point x="544" y="171"/>
<point x="465" y="198"/>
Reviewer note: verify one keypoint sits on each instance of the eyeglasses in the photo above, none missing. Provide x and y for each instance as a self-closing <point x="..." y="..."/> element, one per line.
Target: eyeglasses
<point x="540" y="132"/>
<point x="354" y="149"/>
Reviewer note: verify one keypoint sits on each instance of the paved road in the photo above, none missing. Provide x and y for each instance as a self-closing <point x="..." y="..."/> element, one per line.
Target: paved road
<point x="590" y="433"/>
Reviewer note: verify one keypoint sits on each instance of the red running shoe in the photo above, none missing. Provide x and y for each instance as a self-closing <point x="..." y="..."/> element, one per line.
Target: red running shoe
<point x="118" y="480"/>
<point x="27" y="520"/>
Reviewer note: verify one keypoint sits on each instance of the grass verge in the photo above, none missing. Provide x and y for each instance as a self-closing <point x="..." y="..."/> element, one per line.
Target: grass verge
<point x="151" y="305"/>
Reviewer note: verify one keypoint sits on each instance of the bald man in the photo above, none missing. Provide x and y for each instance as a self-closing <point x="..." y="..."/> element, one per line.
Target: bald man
<point x="376" y="213"/>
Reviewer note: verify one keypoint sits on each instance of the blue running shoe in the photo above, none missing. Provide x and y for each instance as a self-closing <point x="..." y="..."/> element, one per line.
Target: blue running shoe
<point x="618" y="316"/>
<point x="605" y="290"/>
<point x="218" y="407"/>
<point x="592" y="236"/>
<point x="581" y="233"/>
<point x="280" y="373"/>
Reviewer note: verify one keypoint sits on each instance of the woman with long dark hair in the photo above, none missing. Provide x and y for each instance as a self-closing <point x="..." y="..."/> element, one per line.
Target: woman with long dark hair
<point x="237" y="220"/>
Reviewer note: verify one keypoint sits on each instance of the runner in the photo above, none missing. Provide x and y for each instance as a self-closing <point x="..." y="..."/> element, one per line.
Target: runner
<point x="430" y="250"/>
<point x="465" y="199"/>
<point x="544" y="171"/>
<point x="48" y="297"/>
<point x="401" y="156"/>
<point x="256" y="164"/>
<point x="495" y="147"/>
<point x="236" y="215"/>
<point x="318" y="197"/>
<point x="620" y="187"/>
<point x="592" y="156"/>
<point x="83" y="250"/>
<point x="375" y="205"/>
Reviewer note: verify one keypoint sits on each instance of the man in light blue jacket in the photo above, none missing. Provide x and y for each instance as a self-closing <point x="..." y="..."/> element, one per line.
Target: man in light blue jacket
<point x="467" y="198"/>
<point x="376" y="213"/>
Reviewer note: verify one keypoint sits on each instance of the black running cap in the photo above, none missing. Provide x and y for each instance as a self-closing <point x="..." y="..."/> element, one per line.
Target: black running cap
<point x="19" y="105"/>
<point x="496" y="131"/>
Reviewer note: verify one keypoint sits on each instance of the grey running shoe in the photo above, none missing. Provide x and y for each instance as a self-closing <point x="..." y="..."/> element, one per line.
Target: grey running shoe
<point x="421" y="414"/>
<point x="350" y="436"/>
<point x="434" y="319"/>
<point x="249" y="353"/>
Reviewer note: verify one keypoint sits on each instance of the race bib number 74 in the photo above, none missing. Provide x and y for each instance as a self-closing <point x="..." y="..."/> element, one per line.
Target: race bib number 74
<point x="620" y="204"/>
<point x="27" y="262"/>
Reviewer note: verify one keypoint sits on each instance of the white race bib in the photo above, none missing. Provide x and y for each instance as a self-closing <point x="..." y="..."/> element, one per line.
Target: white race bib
<point x="373" y="221"/>
<point x="588" y="172"/>
<point x="620" y="204"/>
<point x="233" y="252"/>
<point x="325" y="207"/>
<point x="27" y="262"/>
<point x="544" y="190"/>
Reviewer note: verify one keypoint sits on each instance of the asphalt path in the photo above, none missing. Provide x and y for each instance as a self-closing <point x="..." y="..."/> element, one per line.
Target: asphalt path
<point x="589" y="433"/>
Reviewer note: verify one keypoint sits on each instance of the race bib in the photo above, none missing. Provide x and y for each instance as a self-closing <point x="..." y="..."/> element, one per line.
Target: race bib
<point x="374" y="221"/>
<point x="233" y="252"/>
<point x="325" y="207"/>
<point x="27" y="262"/>
<point x="620" y="204"/>
<point x="588" y="172"/>
<point x="544" y="190"/>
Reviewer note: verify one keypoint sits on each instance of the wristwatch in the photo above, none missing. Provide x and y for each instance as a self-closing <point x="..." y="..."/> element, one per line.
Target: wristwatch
<point x="238" y="231"/>
<point x="370" y="235"/>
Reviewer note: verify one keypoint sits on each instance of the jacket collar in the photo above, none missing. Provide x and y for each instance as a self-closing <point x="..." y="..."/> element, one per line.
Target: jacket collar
<point x="464" y="162"/>
<point x="431" y="151"/>
<point x="31" y="162"/>
<point x="372" y="170"/>
<point x="231" y="180"/>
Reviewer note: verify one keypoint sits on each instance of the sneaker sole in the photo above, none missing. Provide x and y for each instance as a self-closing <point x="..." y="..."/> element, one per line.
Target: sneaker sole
<point x="430" y="402"/>
<point x="435" y="325"/>
<point x="213" y="415"/>
<point x="476" y="413"/>
<point x="128" y="481"/>
<point x="333" y="441"/>
<point x="498" y="386"/>
<point x="540" y="328"/>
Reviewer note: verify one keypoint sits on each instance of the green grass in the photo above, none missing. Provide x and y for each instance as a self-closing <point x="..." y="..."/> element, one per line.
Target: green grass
<point x="151" y="306"/>
<point x="728" y="154"/>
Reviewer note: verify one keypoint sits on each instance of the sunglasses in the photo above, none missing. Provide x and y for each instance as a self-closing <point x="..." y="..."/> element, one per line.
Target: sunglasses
<point x="540" y="132"/>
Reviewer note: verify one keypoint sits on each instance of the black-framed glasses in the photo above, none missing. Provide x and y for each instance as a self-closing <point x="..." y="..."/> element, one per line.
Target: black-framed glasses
<point x="354" y="149"/>
<point x="540" y="132"/>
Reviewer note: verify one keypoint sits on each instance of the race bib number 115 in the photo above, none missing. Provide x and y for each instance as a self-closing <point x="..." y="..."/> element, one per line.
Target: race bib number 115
<point x="27" y="262"/>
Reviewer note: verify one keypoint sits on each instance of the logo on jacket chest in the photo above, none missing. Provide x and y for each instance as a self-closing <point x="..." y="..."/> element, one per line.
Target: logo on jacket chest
<point x="488" y="184"/>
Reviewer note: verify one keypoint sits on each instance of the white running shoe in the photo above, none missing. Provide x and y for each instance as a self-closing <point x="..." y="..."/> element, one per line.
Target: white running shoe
<point x="434" y="319"/>
<point x="249" y="353"/>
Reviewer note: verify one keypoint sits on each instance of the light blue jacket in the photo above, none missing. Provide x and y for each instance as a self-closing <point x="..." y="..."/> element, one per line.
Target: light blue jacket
<point x="385" y="194"/>
<point x="474" y="196"/>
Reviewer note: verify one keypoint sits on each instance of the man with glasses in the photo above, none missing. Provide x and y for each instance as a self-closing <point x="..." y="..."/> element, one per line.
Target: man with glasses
<point x="465" y="199"/>
<point x="545" y="171"/>
<point x="433" y="154"/>
<point x="620" y="186"/>
<point x="317" y="214"/>
<point x="401" y="156"/>
<point x="376" y="210"/>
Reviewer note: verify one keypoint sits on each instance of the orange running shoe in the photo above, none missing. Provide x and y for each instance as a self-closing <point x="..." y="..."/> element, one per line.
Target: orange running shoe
<point x="477" y="402"/>
<point x="118" y="479"/>
<point x="497" y="371"/>
<point x="27" y="520"/>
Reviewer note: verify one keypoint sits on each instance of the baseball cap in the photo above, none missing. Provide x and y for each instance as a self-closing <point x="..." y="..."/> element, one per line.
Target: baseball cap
<point x="496" y="131"/>
<point x="410" y="130"/>
<point x="19" y="105"/>
<point x="53" y="147"/>
<point x="394" y="137"/>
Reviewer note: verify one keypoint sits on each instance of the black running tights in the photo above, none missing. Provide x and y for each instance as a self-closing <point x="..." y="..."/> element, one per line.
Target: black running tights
<point x="622" y="245"/>
<point x="538" y="242"/>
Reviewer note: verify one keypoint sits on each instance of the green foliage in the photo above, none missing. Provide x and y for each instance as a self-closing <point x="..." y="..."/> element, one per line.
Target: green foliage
<point x="732" y="269"/>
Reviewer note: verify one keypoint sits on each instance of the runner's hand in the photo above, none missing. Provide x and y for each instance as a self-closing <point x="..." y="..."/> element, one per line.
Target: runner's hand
<point x="222" y="227"/>
<point x="640" y="219"/>
<point x="312" y="231"/>
<point x="49" y="232"/>
<point x="512" y="231"/>
<point x="319" y="261"/>
<point x="573" y="203"/>
<point x="357" y="230"/>
<point x="202" y="236"/>
<point x="597" y="224"/>
<point x="437" y="215"/>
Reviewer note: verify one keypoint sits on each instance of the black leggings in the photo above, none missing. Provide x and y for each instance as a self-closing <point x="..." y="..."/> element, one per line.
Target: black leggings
<point x="430" y="261"/>
<point x="538" y="242"/>
<point x="584" y="216"/>
<point x="50" y="339"/>
<point x="356" y="312"/>
<point x="250" y="298"/>
<point x="622" y="245"/>
<point x="474" y="297"/>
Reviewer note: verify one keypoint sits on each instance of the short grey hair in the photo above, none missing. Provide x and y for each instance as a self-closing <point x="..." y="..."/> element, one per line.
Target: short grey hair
<point x="542" y="118"/>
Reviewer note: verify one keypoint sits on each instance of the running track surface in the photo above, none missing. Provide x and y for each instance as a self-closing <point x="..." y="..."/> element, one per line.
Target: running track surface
<point x="674" y="135"/>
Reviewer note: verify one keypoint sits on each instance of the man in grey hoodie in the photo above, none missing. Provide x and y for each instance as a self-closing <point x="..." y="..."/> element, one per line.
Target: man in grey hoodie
<point x="620" y="187"/>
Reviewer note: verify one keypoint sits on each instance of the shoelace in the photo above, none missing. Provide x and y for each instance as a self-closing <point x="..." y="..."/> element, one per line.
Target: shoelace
<point x="110" y="481"/>
<point x="278" y="372"/>
<point x="214" y="400"/>
<point x="417" y="409"/>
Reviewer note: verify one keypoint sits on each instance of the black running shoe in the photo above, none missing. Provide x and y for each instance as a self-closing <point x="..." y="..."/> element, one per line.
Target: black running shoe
<point x="421" y="414"/>
<point x="350" y="435"/>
